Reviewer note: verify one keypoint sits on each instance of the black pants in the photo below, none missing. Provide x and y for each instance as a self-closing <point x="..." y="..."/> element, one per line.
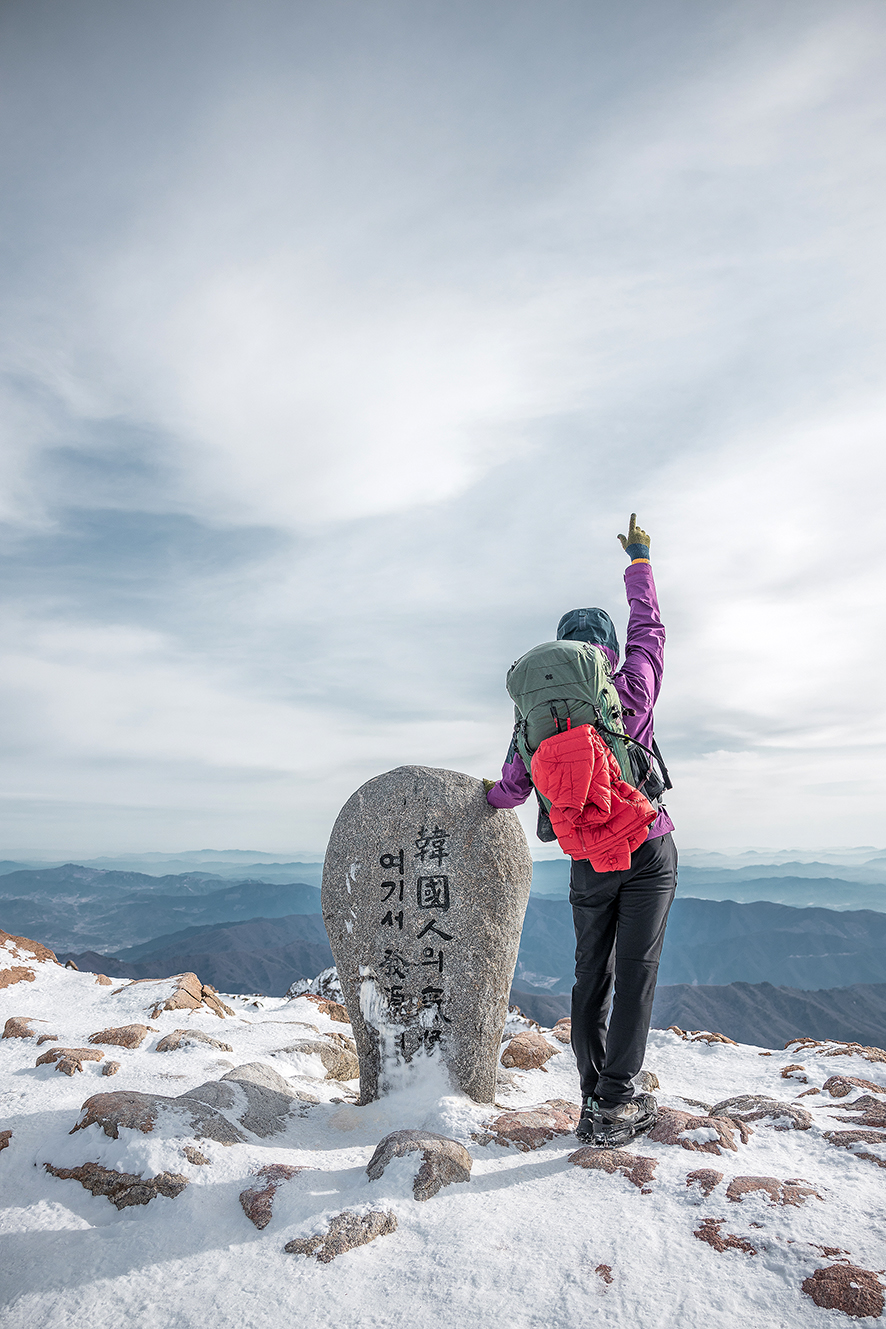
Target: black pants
<point x="620" y="920"/>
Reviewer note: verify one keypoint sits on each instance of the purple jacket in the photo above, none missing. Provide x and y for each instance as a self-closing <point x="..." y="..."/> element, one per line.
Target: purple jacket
<point x="638" y="683"/>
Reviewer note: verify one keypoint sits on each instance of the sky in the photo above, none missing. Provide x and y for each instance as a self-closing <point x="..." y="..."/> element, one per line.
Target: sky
<point x="339" y="341"/>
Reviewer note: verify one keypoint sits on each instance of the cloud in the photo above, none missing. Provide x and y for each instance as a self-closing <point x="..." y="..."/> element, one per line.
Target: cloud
<point x="341" y="345"/>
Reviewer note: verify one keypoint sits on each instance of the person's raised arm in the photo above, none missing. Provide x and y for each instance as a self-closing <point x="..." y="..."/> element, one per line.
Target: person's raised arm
<point x="639" y="678"/>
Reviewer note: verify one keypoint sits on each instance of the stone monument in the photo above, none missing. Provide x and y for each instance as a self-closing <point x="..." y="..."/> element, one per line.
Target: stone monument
<point x="424" y="891"/>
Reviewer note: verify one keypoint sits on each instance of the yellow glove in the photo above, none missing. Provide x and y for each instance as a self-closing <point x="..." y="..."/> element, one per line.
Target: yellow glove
<point x="636" y="542"/>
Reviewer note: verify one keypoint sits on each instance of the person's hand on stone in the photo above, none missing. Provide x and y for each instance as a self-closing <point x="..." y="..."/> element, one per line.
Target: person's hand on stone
<point x="636" y="542"/>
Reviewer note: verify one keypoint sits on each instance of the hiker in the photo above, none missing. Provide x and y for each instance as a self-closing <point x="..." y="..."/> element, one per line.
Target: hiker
<point x="572" y="740"/>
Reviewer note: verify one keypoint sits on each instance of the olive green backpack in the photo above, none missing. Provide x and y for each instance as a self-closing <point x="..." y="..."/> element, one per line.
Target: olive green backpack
<point x="563" y="681"/>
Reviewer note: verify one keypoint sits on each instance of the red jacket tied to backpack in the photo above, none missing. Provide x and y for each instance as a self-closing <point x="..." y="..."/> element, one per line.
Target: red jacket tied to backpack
<point x="595" y="813"/>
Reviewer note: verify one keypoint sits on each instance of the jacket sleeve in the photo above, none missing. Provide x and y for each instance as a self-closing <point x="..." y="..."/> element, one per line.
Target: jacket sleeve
<point x="515" y="785"/>
<point x="639" y="680"/>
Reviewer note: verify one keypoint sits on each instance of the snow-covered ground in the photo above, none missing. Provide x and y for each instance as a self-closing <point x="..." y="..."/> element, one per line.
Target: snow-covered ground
<point x="530" y="1240"/>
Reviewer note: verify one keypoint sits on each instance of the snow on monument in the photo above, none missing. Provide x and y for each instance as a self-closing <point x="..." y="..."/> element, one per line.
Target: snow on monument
<point x="424" y="891"/>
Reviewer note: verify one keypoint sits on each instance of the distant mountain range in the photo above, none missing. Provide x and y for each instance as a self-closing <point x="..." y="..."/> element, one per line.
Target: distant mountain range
<point x="756" y="1013"/>
<point x="708" y="942"/>
<point x="76" y="908"/>
<point x="719" y="941"/>
<point x="798" y="884"/>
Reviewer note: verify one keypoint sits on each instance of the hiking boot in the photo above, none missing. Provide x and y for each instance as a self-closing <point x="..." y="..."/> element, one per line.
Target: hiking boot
<point x="609" y="1128"/>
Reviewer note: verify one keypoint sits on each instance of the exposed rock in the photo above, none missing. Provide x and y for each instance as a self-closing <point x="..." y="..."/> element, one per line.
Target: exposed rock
<point x="180" y="992"/>
<point x="864" y="1111"/>
<point x="142" y="1112"/>
<point x="257" y="1200"/>
<point x="69" y="964"/>
<point x="790" y="1073"/>
<point x="194" y="1155"/>
<point x="604" y="1273"/>
<point x="5" y="1137"/>
<point x="845" y="1287"/>
<point x="705" y="1178"/>
<point x="110" y="1068"/>
<point x="122" y="1188"/>
<point x="21" y="948"/>
<point x="850" y="1139"/>
<point x="444" y="1161"/>
<point x="424" y="891"/>
<point x="713" y="1134"/>
<point x="47" y="1038"/>
<point x="68" y="1060"/>
<point x="839" y="1086"/>
<point x="637" y="1168"/>
<point x="646" y="1081"/>
<point x="340" y="1063"/>
<point x="257" y="1095"/>
<point x="527" y="1052"/>
<point x="333" y="1009"/>
<point x="325" y="986"/>
<point x="103" y="980"/>
<point x="346" y="1231"/>
<point x="530" y="1128"/>
<point x="759" y="1107"/>
<point x="562" y="1030"/>
<point x="19" y="1026"/>
<point x="832" y="1048"/>
<point x="701" y="1036"/>
<point x="180" y="1038"/>
<point x="780" y="1192"/>
<point x="710" y="1232"/>
<point x="127" y="1036"/>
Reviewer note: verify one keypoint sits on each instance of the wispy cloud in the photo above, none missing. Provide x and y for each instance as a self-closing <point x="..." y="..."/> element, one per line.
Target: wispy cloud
<point x="342" y="342"/>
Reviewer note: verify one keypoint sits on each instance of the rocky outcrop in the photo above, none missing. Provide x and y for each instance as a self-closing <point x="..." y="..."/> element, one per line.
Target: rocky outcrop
<point x="780" y="1192"/>
<point x="195" y="1155"/>
<point x="110" y="1068"/>
<point x="337" y="1053"/>
<point x="832" y="1048"/>
<point x="261" y="1100"/>
<point x="708" y="1135"/>
<point x="840" y="1086"/>
<point x="845" y="1287"/>
<point x="444" y="1161"/>
<point x="326" y="1006"/>
<point x="346" y="1231"/>
<point x="864" y="1111"/>
<point x="68" y="1060"/>
<point x="182" y="1038"/>
<point x="530" y="1128"/>
<point x="636" y="1167"/>
<point x="5" y="1137"/>
<point x="760" y="1107"/>
<point x="792" y="1072"/>
<point x="257" y="1200"/>
<point x="181" y="992"/>
<point x="127" y="1036"/>
<point x="126" y="1109"/>
<point x="852" y="1140"/>
<point x="527" y="1052"/>
<point x="701" y="1036"/>
<point x="122" y="1188"/>
<point x="103" y="981"/>
<point x="19" y="1026"/>
<point x="722" y="1241"/>
<point x="18" y="956"/>
<point x="705" y="1179"/>
<point x="562" y="1030"/>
